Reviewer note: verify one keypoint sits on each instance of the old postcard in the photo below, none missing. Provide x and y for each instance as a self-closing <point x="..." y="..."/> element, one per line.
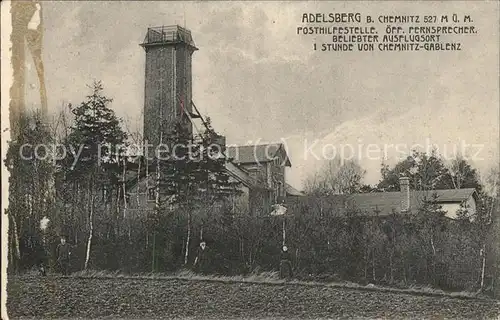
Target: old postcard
<point x="250" y="160"/>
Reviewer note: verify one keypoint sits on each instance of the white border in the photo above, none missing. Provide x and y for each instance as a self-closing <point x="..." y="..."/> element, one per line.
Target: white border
<point x="7" y="73"/>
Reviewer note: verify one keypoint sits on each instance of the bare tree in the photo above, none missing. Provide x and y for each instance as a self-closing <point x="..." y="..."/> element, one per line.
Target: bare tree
<point x="491" y="244"/>
<point x="314" y="184"/>
<point x="461" y="174"/>
<point x="492" y="181"/>
<point x="335" y="177"/>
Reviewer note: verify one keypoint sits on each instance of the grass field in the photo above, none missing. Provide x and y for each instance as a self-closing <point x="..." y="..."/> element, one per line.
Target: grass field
<point x="108" y="297"/>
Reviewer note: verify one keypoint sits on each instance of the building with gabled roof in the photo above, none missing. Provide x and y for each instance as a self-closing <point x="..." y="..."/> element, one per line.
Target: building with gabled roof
<point x="266" y="164"/>
<point x="402" y="202"/>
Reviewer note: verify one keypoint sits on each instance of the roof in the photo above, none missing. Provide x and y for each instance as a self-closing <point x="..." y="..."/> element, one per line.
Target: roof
<point x="240" y="175"/>
<point x="385" y="203"/>
<point x="131" y="177"/>
<point x="256" y="153"/>
<point x="231" y="168"/>
<point x="453" y="195"/>
<point x="292" y="191"/>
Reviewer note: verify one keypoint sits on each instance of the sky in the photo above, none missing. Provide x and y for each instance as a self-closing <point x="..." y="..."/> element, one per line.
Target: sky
<point x="261" y="82"/>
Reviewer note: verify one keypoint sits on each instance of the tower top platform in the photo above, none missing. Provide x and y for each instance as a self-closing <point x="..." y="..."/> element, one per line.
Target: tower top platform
<point x="167" y="35"/>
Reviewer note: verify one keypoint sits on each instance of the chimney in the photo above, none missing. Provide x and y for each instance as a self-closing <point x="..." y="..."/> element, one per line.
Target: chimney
<point x="404" y="186"/>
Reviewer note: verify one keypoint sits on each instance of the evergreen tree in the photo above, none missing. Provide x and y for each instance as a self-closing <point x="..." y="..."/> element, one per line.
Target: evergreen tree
<point x="195" y="174"/>
<point x="93" y="168"/>
<point x="192" y="179"/>
<point x="212" y="168"/>
<point x="97" y="132"/>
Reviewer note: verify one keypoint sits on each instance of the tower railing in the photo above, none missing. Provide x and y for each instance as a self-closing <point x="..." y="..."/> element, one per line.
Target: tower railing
<point x="168" y="34"/>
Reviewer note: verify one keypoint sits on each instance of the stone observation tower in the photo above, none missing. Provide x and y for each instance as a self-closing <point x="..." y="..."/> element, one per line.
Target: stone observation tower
<point x="168" y="80"/>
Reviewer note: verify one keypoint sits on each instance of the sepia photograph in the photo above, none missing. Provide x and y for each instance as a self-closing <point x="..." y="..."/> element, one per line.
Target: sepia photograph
<point x="258" y="160"/>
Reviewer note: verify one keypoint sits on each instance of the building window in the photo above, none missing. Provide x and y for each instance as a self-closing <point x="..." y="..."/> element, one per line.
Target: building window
<point x="278" y="191"/>
<point x="151" y="194"/>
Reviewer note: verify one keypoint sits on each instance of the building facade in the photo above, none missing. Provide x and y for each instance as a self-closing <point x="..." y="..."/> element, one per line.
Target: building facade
<point x="266" y="166"/>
